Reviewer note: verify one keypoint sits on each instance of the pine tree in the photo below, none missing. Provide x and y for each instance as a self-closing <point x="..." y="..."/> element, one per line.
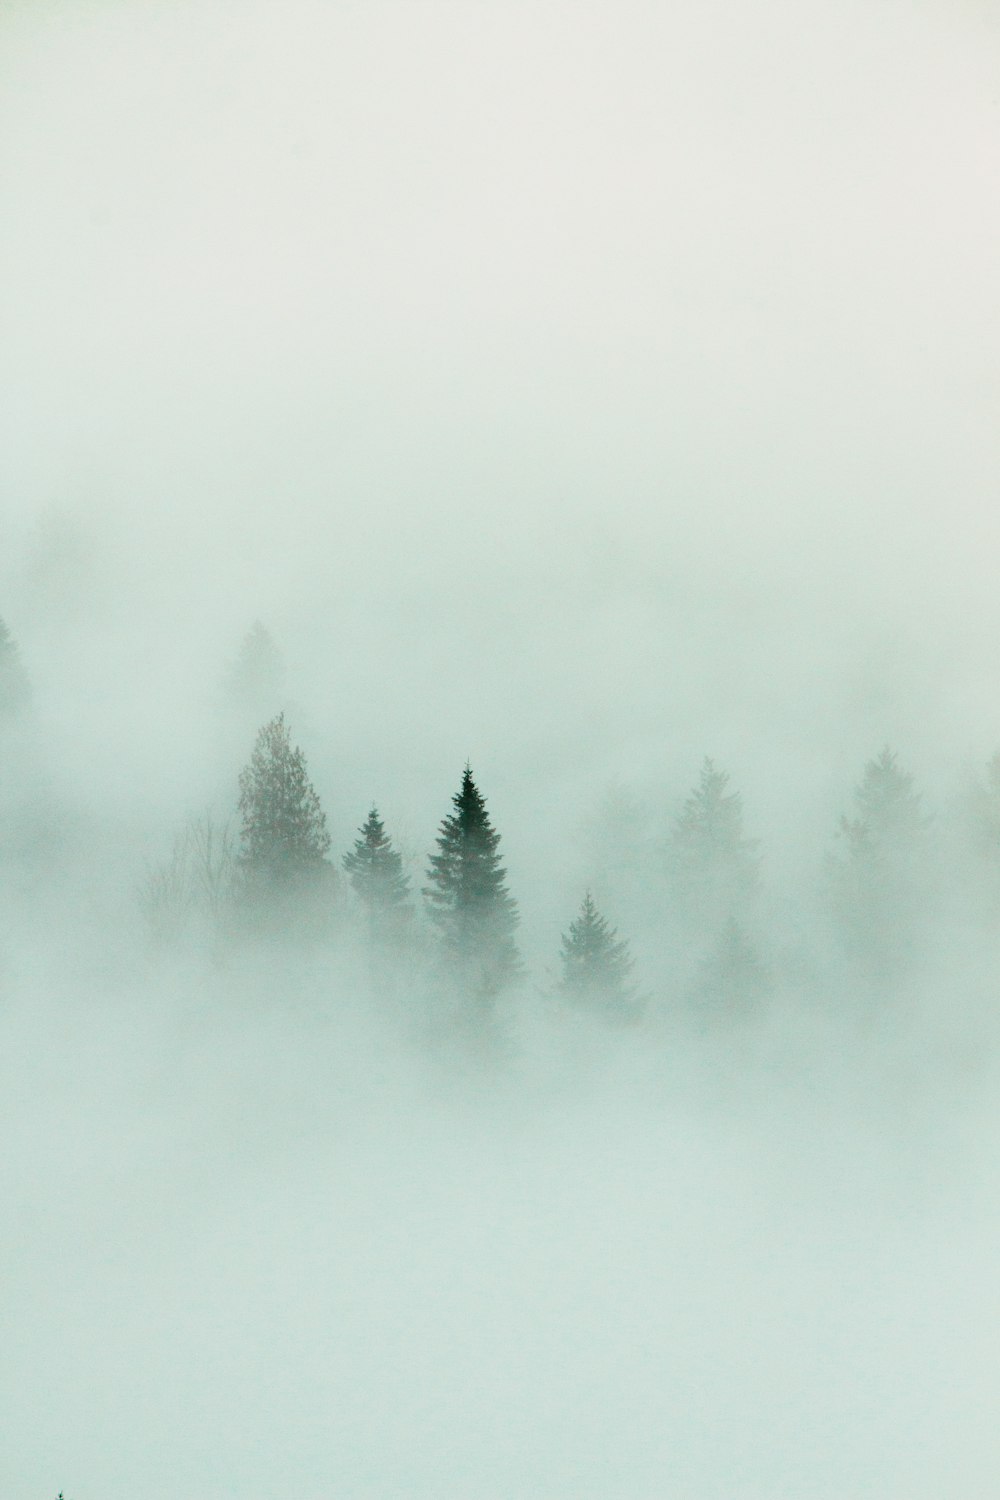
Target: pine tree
<point x="375" y="870"/>
<point x="255" y="682"/>
<point x="15" y="689"/>
<point x="878" y="885"/>
<point x="732" y="978"/>
<point x="982" y="812"/>
<point x="468" y="898"/>
<point x="596" y="965"/>
<point x="975" y="841"/>
<point x="283" y="835"/>
<point x="716" y="870"/>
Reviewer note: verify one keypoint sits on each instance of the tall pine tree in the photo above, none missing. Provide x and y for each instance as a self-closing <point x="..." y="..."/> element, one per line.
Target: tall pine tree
<point x="469" y="901"/>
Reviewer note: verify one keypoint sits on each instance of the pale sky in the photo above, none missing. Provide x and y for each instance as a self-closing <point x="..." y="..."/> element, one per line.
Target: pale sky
<point x="480" y="338"/>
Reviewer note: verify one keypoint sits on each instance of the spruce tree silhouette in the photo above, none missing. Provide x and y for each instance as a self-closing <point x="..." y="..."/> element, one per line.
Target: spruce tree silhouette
<point x="715" y="868"/>
<point x="597" y="965"/>
<point x="375" y="870"/>
<point x="469" y="901"/>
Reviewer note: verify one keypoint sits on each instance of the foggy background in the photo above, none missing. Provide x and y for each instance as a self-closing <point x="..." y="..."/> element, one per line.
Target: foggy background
<point x="576" y="391"/>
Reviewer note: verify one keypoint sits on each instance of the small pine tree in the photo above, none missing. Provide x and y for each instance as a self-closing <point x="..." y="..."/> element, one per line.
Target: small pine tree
<point x="716" y="870"/>
<point x="283" y="836"/>
<point x="597" y="965"/>
<point x="468" y="898"/>
<point x="375" y="870"/>
<point x="15" y="690"/>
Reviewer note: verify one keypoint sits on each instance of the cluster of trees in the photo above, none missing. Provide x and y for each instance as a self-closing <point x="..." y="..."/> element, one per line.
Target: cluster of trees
<point x="283" y="869"/>
<point x="700" y="896"/>
<point x="279" y="870"/>
<point x="276" y="874"/>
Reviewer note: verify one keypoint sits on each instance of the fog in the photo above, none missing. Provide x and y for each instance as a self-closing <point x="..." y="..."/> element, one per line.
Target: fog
<point x="572" y="393"/>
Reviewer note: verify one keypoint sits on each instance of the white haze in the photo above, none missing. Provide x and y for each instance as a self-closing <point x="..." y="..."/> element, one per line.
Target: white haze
<point x="577" y="391"/>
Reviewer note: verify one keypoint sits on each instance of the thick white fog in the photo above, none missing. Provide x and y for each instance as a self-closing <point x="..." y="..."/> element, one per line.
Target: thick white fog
<point x="573" y="393"/>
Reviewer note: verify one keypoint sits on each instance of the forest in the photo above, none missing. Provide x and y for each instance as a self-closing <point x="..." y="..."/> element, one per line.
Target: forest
<point x="674" y="924"/>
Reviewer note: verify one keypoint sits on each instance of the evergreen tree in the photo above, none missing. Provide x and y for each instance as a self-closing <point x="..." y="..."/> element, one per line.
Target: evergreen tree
<point x="596" y="965"/>
<point x="880" y="882"/>
<point x="732" y="978"/>
<point x="976" y="842"/>
<point x="715" y="868"/>
<point x="375" y="870"/>
<point x="468" y="898"/>
<point x="255" y="682"/>
<point x="619" y="852"/>
<point x="283" y="835"/>
<point x="15" y="689"/>
<point x="983" y="812"/>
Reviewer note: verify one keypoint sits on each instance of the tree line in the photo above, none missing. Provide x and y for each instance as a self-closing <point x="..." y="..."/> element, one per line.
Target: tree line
<point x="878" y="885"/>
<point x="274" y="873"/>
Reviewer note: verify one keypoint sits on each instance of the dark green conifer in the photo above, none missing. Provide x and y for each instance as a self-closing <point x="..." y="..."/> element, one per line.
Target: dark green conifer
<point x="468" y="898"/>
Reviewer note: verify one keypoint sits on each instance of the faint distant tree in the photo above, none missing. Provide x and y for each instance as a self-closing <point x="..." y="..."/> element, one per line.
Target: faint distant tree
<point x="165" y="895"/>
<point x="984" y="810"/>
<point x="468" y="899"/>
<point x="880" y="881"/>
<point x="283" y="835"/>
<point x="213" y="863"/>
<point x="194" y="884"/>
<point x="714" y="867"/>
<point x="732" y="978"/>
<point x="976" y="841"/>
<point x="597" y="966"/>
<point x="375" y="870"/>
<point x="15" y="690"/>
<point x="255" y="682"/>
<point x="620" y="854"/>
